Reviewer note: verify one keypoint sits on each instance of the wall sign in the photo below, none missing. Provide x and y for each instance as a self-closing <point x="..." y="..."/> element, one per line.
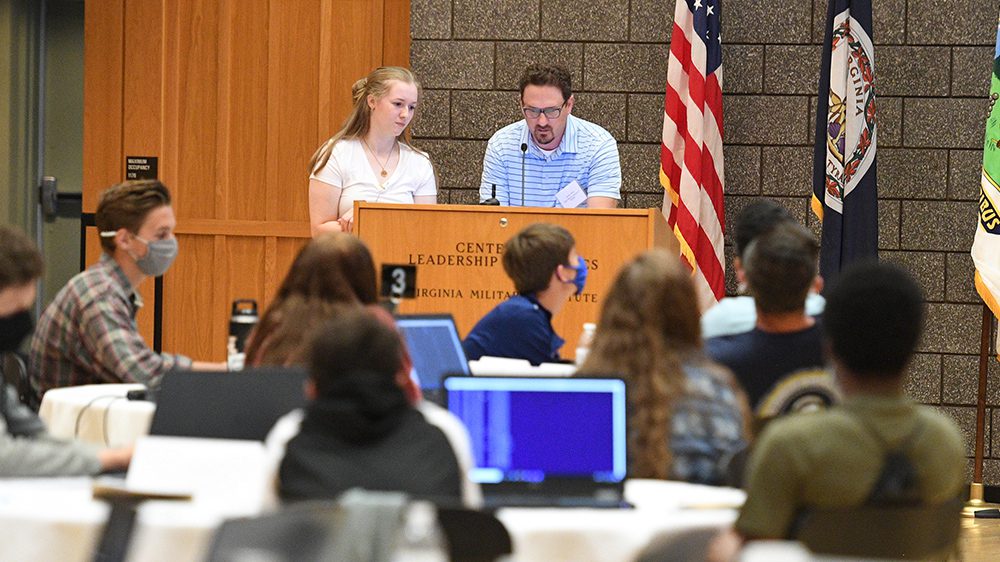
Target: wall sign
<point x="141" y="167"/>
<point x="399" y="281"/>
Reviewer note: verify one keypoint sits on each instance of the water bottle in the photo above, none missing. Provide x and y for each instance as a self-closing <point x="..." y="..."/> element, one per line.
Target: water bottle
<point x="586" y="340"/>
<point x="420" y="539"/>
<point x="234" y="359"/>
<point x="242" y="321"/>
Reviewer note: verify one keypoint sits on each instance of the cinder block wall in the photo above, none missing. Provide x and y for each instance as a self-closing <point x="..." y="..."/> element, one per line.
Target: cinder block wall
<point x="932" y="64"/>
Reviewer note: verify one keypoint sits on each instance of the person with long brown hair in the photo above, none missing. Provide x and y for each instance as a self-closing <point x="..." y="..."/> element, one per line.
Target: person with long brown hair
<point x="687" y="415"/>
<point x="370" y="158"/>
<point x="333" y="269"/>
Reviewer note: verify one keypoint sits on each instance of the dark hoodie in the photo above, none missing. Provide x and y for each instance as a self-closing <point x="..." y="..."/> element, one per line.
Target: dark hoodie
<point x="365" y="434"/>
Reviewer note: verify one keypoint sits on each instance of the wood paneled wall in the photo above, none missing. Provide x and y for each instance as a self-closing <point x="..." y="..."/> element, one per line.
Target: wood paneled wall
<point x="233" y="96"/>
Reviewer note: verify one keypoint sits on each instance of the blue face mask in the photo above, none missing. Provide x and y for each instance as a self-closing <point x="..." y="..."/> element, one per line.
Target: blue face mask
<point x="581" y="274"/>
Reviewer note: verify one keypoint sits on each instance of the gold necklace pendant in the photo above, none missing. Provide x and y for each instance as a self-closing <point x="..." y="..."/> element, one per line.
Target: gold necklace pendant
<point x="384" y="173"/>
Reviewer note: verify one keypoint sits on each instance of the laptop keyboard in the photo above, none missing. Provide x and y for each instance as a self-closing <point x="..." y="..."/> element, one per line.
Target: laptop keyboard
<point x="556" y="501"/>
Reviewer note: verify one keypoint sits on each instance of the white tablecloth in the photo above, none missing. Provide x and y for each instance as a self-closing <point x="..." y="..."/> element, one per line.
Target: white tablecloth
<point x="56" y="519"/>
<point x="98" y="414"/>
<point x="607" y="535"/>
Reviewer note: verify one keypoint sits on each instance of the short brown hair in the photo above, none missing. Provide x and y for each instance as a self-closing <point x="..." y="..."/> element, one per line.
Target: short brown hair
<point x="126" y="205"/>
<point x="780" y="268"/>
<point x="530" y="257"/>
<point x="20" y="261"/>
<point x="547" y="75"/>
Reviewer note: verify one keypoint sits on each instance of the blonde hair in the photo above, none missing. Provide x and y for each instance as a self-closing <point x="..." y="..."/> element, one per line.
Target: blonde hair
<point x="649" y="328"/>
<point x="376" y="85"/>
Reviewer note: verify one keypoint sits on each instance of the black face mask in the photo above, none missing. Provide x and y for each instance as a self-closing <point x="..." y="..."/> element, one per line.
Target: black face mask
<point x="13" y="329"/>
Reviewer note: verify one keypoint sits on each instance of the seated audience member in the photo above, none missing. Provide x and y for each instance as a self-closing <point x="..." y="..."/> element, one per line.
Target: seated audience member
<point x="366" y="426"/>
<point x="836" y="458"/>
<point x="88" y="333"/>
<point x="688" y="416"/>
<point x="546" y="270"/>
<point x="283" y="338"/>
<point x="334" y="268"/>
<point x="780" y="362"/>
<point x="25" y="448"/>
<point x="735" y="315"/>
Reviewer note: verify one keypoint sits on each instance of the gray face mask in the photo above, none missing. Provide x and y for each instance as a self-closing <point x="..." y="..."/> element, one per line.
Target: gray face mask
<point x="158" y="258"/>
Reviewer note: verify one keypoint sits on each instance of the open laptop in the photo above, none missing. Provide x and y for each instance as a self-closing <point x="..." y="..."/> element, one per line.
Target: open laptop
<point x="239" y="405"/>
<point x="544" y="441"/>
<point x="435" y="348"/>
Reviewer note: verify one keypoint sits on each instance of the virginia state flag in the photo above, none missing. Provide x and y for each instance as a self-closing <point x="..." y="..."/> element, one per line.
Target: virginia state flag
<point x="844" y="178"/>
<point x="986" y="246"/>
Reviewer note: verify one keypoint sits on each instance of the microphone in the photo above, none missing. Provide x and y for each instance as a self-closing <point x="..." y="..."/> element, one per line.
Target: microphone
<point x="493" y="198"/>
<point x="524" y="152"/>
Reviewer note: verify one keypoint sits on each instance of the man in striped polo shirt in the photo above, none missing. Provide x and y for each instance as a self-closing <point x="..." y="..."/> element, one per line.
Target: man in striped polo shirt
<point x="551" y="158"/>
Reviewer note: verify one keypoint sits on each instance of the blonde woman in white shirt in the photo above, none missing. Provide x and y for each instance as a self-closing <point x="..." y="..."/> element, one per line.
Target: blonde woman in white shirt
<point x="370" y="159"/>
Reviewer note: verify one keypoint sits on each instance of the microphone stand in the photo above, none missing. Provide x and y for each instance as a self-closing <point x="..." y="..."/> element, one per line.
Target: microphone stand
<point x="493" y="198"/>
<point x="524" y="152"/>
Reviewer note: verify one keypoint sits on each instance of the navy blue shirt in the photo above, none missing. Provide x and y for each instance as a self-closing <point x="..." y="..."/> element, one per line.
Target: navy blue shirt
<point x="520" y="328"/>
<point x="780" y="372"/>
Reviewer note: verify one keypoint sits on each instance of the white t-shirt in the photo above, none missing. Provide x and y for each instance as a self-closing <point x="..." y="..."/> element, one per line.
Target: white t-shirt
<point x="348" y="169"/>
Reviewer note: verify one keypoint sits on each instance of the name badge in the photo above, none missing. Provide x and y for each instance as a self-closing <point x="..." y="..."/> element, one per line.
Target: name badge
<point x="571" y="196"/>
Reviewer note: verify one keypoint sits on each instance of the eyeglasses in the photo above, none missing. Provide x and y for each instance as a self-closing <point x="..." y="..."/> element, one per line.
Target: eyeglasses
<point x="550" y="112"/>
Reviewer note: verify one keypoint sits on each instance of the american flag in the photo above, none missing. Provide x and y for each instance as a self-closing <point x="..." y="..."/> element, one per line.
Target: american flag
<point x="691" y="153"/>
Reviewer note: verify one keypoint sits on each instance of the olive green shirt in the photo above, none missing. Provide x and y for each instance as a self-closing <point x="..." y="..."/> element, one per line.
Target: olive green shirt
<point x="831" y="459"/>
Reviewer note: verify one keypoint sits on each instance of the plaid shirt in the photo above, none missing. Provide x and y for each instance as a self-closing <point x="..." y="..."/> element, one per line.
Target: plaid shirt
<point x="88" y="335"/>
<point x="706" y="427"/>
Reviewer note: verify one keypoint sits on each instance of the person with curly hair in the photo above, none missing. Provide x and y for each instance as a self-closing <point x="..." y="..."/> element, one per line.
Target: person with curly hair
<point x="688" y="417"/>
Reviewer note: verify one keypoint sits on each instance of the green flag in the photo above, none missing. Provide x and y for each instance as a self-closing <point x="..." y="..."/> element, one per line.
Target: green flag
<point x="986" y="247"/>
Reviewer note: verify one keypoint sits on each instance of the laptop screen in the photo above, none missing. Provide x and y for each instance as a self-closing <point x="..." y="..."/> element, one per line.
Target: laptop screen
<point x="532" y="429"/>
<point x="434" y="346"/>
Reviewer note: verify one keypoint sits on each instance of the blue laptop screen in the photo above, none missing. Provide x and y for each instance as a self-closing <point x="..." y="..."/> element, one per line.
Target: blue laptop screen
<point x="434" y="347"/>
<point x="529" y="429"/>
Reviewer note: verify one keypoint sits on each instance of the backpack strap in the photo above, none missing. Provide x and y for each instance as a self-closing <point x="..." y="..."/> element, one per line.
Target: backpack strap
<point x="897" y="482"/>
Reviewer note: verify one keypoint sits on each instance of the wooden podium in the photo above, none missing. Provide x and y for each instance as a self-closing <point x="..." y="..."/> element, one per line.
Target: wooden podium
<point x="457" y="251"/>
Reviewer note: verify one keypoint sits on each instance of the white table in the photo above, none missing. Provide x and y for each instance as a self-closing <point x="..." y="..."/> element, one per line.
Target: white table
<point x="56" y="519"/>
<point x="603" y="535"/>
<point x="97" y="413"/>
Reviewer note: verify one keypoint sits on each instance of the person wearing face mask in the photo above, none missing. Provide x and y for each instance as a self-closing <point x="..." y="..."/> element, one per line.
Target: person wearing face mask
<point x="25" y="448"/>
<point x="546" y="270"/>
<point x="88" y="333"/>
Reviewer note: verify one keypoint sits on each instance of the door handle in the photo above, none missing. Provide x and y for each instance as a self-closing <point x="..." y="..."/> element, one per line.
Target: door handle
<point x="48" y="197"/>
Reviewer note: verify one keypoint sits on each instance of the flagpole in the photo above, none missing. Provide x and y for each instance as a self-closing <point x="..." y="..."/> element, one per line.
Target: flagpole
<point x="976" y="502"/>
